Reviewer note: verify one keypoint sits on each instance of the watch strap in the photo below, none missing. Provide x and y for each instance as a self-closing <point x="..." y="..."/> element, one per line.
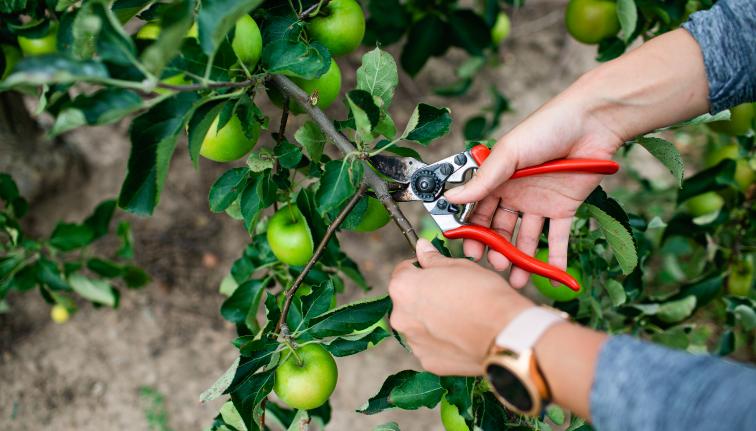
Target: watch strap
<point x="526" y="328"/>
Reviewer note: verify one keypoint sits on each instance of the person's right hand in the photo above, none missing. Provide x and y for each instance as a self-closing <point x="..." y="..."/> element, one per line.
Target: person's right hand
<point x="560" y="129"/>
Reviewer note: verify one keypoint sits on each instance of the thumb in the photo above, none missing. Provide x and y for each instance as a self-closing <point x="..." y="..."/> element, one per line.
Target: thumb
<point x="428" y="256"/>
<point x="496" y="169"/>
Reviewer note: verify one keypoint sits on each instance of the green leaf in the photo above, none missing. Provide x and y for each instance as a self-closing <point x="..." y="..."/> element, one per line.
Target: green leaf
<point x="296" y="58"/>
<point x="259" y="193"/>
<point x="746" y="316"/>
<point x="97" y="291"/>
<point x="420" y="390"/>
<point x="427" y="123"/>
<point x="675" y="311"/>
<point x="248" y="396"/>
<point x="365" y="112"/>
<point x="288" y="154"/>
<point x="260" y="161"/>
<point x="175" y="21"/>
<point x="349" y="318"/>
<point x="312" y="139"/>
<point x="220" y="385"/>
<point x="246" y="297"/>
<point x="104" y="268"/>
<point x="666" y="153"/>
<point x="378" y="75"/>
<point x="318" y="302"/>
<point x="113" y="43"/>
<point x="555" y="413"/>
<point x="470" y="31"/>
<point x="153" y="139"/>
<point x="217" y="17"/>
<point x="426" y="37"/>
<point x="338" y="183"/>
<point x="199" y="124"/>
<point x="616" y="292"/>
<point x="627" y="13"/>
<point x="99" y="220"/>
<point x="126" y="250"/>
<point x="53" y="69"/>
<point x="459" y="392"/>
<point x="619" y="238"/>
<point x="134" y="277"/>
<point x="105" y="106"/>
<point x="227" y="188"/>
<point x="70" y="236"/>
<point x="232" y="417"/>
<point x="380" y="401"/>
<point x="49" y="275"/>
<point x="712" y="179"/>
<point x="352" y="344"/>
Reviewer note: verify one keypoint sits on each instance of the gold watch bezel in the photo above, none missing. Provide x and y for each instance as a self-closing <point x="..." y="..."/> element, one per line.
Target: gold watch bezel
<point x="525" y="368"/>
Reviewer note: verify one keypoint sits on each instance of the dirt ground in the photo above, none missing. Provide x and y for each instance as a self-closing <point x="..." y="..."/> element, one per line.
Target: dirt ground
<point x="91" y="373"/>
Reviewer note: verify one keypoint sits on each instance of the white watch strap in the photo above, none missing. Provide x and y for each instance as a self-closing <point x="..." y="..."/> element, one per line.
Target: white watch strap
<point x="526" y="328"/>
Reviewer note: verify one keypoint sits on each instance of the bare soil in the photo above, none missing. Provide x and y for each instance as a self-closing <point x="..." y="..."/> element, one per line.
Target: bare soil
<point x="87" y="374"/>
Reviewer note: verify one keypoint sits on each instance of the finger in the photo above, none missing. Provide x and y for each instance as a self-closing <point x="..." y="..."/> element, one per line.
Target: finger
<point x="504" y="222"/>
<point x="559" y="235"/>
<point x="404" y="266"/>
<point x="497" y="168"/>
<point x="527" y="242"/>
<point x="428" y="256"/>
<point x="482" y="215"/>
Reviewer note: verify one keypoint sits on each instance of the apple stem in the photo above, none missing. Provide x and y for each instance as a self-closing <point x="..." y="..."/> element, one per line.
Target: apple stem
<point x="313" y="10"/>
<point x="300" y="362"/>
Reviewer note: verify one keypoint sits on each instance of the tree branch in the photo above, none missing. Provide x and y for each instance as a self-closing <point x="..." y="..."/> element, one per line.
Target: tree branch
<point x="318" y="252"/>
<point x="209" y="85"/>
<point x="315" y="7"/>
<point x="342" y="143"/>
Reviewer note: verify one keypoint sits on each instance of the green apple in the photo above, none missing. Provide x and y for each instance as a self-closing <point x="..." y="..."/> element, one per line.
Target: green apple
<point x="247" y="43"/>
<point x="559" y="293"/>
<point x="340" y="26"/>
<point x="451" y="418"/>
<point x="744" y="175"/>
<point x="740" y="122"/>
<point x="46" y="44"/>
<point x="307" y="384"/>
<point x="590" y="21"/>
<point x="230" y="142"/>
<point x="376" y="216"/>
<point x="11" y="55"/>
<point x="740" y="280"/>
<point x="327" y="87"/>
<point x="705" y="203"/>
<point x="151" y="31"/>
<point x="289" y="236"/>
<point x="500" y="29"/>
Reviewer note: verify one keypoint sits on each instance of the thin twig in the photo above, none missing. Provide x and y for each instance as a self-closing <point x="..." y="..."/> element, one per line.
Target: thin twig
<point x="284" y="119"/>
<point x="315" y="7"/>
<point x="342" y="143"/>
<point x="318" y="252"/>
<point x="209" y="85"/>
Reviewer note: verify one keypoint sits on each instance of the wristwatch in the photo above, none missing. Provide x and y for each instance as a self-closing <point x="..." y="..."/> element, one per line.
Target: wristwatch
<point x="511" y="366"/>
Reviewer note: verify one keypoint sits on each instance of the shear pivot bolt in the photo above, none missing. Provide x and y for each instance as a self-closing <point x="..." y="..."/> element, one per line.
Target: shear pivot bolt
<point x="460" y="159"/>
<point x="426" y="184"/>
<point x="442" y="204"/>
<point x="446" y="169"/>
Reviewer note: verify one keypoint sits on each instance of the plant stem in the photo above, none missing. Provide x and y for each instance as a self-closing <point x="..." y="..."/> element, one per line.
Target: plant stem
<point x="284" y="119"/>
<point x="209" y="85"/>
<point x="342" y="143"/>
<point x="314" y="9"/>
<point x="298" y="358"/>
<point x="318" y="252"/>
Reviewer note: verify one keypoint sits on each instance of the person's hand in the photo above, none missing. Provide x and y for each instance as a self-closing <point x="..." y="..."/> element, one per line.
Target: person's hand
<point x="450" y="310"/>
<point x="557" y="130"/>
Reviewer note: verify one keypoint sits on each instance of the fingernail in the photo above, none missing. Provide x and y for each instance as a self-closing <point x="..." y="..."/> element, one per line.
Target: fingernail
<point x="424" y="246"/>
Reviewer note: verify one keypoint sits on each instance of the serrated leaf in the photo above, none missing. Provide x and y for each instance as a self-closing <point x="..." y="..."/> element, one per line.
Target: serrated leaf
<point x="380" y="401"/>
<point x="338" y="183"/>
<point x="619" y="238"/>
<point x="427" y="123"/>
<point x="288" y="154"/>
<point x="97" y="291"/>
<point x="352" y="344"/>
<point x="260" y="161"/>
<point x="175" y="21"/>
<point x="349" y="318"/>
<point x="248" y="396"/>
<point x="220" y="385"/>
<point x="312" y="139"/>
<point x="422" y="389"/>
<point x="227" y="188"/>
<point x="70" y="236"/>
<point x="258" y="194"/>
<point x="459" y="392"/>
<point x="232" y="417"/>
<point x="246" y="297"/>
<point x="102" y="107"/>
<point x="365" y="113"/>
<point x="378" y="75"/>
<point x="746" y="316"/>
<point x="388" y="426"/>
<point x="627" y="13"/>
<point x="216" y="18"/>
<point x="300" y="421"/>
<point x="666" y="153"/>
<point x="153" y="139"/>
<point x="296" y="58"/>
<point x="53" y="69"/>
<point x="675" y="311"/>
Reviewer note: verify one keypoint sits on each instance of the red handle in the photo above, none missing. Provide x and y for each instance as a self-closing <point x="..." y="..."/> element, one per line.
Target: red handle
<point x="517" y="257"/>
<point x="606" y="167"/>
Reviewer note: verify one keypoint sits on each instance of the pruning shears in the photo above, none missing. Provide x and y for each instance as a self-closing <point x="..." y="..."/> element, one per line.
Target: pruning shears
<point x="418" y="181"/>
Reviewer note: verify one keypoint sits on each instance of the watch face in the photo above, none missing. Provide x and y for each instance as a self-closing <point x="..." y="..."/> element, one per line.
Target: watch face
<point x="509" y="387"/>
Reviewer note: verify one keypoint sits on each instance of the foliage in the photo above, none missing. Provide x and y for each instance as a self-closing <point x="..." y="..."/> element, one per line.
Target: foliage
<point x="62" y="264"/>
<point x="653" y="270"/>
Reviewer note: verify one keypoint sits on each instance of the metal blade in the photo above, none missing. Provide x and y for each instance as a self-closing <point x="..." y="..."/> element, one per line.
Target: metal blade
<point x="399" y="169"/>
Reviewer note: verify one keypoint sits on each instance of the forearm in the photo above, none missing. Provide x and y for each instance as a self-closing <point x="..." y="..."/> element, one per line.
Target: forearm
<point x="660" y="83"/>
<point x="568" y="355"/>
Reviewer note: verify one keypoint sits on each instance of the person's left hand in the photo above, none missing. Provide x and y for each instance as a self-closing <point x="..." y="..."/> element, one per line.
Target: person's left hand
<point x="450" y="310"/>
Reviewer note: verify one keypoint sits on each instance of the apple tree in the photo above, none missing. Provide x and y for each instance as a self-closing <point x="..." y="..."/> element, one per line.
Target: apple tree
<point x="673" y="262"/>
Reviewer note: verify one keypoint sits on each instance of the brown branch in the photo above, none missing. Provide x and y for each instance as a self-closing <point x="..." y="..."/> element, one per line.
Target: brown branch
<point x="342" y="143"/>
<point x="209" y="85"/>
<point x="284" y="119"/>
<point x="318" y="252"/>
<point x="312" y="8"/>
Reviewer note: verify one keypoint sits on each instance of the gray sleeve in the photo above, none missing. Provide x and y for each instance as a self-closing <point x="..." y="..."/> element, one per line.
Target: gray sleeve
<point x="640" y="386"/>
<point x="726" y="34"/>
